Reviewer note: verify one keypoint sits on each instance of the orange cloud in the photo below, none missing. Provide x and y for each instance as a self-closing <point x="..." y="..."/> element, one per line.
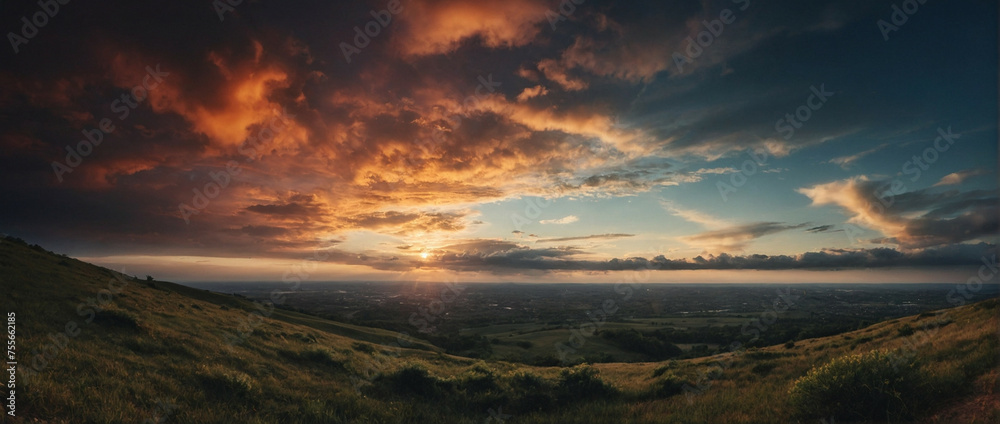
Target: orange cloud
<point x="857" y="197"/>
<point x="441" y="26"/>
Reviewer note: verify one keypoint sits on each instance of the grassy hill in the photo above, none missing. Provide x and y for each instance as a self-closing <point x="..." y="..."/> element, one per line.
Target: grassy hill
<point x="94" y="345"/>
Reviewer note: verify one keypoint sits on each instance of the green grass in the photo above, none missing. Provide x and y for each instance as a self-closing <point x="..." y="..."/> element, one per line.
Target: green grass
<point x="159" y="351"/>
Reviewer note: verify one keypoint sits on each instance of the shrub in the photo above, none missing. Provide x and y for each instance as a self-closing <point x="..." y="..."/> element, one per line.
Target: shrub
<point x="226" y="384"/>
<point x="545" y="361"/>
<point x="870" y="386"/>
<point x="661" y="369"/>
<point x="363" y="347"/>
<point x="531" y="392"/>
<point x="479" y="380"/>
<point x="666" y="387"/>
<point x="527" y="381"/>
<point x="905" y="330"/>
<point x="655" y="345"/>
<point x="411" y="379"/>
<point x="582" y="383"/>
<point x="321" y="355"/>
<point x="117" y="318"/>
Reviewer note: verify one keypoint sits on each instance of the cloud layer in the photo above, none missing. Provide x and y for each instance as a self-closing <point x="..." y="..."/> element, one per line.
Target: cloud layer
<point x="261" y="139"/>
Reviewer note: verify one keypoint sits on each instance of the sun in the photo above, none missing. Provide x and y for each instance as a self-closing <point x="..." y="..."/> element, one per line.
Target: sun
<point x="424" y="255"/>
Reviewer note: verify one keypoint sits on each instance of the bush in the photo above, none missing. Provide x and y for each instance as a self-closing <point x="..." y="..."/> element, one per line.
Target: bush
<point x="227" y="384"/>
<point x="413" y="380"/>
<point x="870" y="386"/>
<point x="655" y="345"/>
<point x="363" y="347"/>
<point x="666" y="387"/>
<point x="117" y="318"/>
<point x="661" y="369"/>
<point x="582" y="383"/>
<point x="544" y="361"/>
<point x="531" y="392"/>
<point x="905" y="330"/>
<point x="321" y="355"/>
<point x="479" y="380"/>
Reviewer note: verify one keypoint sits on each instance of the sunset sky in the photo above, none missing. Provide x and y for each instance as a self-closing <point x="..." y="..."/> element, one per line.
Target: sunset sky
<point x="505" y="140"/>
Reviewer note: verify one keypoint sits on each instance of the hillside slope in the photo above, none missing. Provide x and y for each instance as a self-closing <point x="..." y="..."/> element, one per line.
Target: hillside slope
<point x="94" y="345"/>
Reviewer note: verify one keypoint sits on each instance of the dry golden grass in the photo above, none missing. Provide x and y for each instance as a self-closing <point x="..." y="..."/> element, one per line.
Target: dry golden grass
<point x="160" y="351"/>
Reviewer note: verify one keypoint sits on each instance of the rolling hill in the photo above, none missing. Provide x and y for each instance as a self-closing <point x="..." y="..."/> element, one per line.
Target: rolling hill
<point x="95" y="345"/>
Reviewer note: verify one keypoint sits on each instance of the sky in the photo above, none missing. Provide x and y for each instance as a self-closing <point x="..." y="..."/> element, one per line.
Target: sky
<point x="535" y="141"/>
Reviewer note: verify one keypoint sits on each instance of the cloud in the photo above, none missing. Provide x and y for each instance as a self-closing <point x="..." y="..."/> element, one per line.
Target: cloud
<point x="716" y="171"/>
<point x="507" y="257"/>
<point x="737" y="237"/>
<point x="692" y="215"/>
<point x="846" y="161"/>
<point x="590" y="237"/>
<point x="439" y="27"/>
<point x="564" y="220"/>
<point x="264" y="230"/>
<point x="916" y="219"/>
<point x="819" y="229"/>
<point x="532" y="92"/>
<point x="404" y="223"/>
<point x="405" y="141"/>
<point x="281" y="209"/>
<point x="958" y="177"/>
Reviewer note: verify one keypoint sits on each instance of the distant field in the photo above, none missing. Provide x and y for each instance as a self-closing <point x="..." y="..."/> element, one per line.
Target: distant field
<point x="526" y="322"/>
<point x="539" y="339"/>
